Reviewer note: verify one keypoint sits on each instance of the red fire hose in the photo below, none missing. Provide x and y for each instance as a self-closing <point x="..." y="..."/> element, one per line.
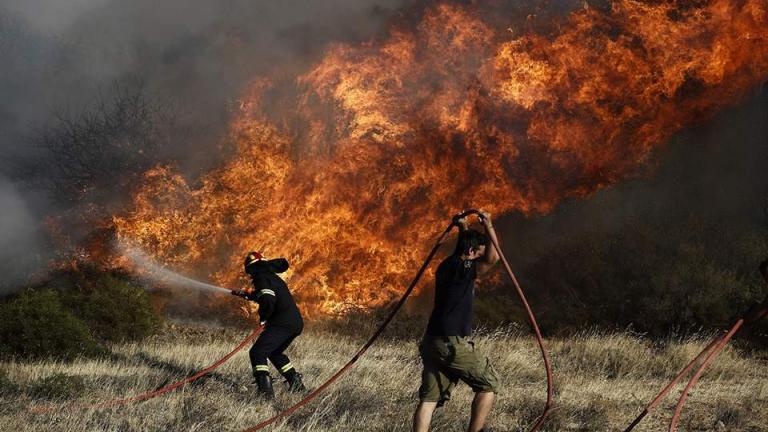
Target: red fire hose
<point x="663" y="393"/>
<point x="709" y="354"/>
<point x="392" y="314"/>
<point x="163" y="390"/>
<point x="710" y="357"/>
<point x="537" y="332"/>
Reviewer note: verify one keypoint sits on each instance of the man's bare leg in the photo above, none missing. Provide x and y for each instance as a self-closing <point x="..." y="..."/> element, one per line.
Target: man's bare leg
<point x="481" y="407"/>
<point x="423" y="416"/>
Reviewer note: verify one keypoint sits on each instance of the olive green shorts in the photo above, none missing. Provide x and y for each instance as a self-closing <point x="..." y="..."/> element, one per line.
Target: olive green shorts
<point x="450" y="359"/>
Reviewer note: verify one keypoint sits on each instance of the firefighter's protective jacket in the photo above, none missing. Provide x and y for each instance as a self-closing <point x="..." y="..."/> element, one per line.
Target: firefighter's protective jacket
<point x="276" y="304"/>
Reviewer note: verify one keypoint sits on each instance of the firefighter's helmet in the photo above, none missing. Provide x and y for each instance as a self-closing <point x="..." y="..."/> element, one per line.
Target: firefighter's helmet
<point x="251" y="258"/>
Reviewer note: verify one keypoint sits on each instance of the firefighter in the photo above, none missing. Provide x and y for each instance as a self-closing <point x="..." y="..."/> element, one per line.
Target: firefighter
<point x="282" y="319"/>
<point x="446" y="351"/>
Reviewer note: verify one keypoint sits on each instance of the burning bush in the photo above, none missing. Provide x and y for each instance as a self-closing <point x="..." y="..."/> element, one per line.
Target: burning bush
<point x="368" y="150"/>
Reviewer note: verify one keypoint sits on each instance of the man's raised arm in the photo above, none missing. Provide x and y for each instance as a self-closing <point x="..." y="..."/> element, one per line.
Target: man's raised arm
<point x="491" y="255"/>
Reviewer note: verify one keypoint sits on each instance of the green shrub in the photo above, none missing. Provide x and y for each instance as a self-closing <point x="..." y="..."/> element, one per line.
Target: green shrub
<point x="57" y="386"/>
<point x="36" y="325"/>
<point x="114" y="309"/>
<point x="74" y="310"/>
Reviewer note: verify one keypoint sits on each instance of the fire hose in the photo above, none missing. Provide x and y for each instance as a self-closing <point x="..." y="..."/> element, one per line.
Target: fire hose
<point x="537" y="333"/>
<point x="708" y="354"/>
<point x="162" y="390"/>
<point x="391" y="316"/>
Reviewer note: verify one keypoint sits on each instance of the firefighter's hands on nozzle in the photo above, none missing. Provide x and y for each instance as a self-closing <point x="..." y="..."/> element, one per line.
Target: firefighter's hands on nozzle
<point x="239" y="293"/>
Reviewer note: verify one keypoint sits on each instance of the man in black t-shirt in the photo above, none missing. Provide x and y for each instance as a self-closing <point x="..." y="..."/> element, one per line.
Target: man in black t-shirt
<point x="446" y="352"/>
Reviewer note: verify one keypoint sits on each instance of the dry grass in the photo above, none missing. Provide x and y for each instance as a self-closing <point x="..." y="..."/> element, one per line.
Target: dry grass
<point x="603" y="381"/>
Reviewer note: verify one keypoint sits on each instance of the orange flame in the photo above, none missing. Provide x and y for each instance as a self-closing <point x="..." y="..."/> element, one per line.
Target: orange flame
<point x="350" y="179"/>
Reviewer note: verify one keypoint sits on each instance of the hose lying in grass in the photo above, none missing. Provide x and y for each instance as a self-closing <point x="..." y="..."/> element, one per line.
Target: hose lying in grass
<point x="161" y="391"/>
<point x="708" y="354"/>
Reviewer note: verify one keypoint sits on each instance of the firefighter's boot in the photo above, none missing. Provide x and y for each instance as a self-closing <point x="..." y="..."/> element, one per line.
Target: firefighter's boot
<point x="264" y="385"/>
<point x="295" y="384"/>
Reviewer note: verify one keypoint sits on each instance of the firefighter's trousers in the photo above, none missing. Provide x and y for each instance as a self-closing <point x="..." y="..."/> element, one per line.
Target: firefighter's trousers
<point x="271" y="345"/>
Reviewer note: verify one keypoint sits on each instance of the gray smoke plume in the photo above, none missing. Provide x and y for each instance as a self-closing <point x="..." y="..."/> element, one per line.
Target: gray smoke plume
<point x="59" y="55"/>
<point x="21" y="250"/>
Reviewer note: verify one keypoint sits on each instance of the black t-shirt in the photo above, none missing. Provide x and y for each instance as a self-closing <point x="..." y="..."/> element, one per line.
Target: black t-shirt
<point x="454" y="298"/>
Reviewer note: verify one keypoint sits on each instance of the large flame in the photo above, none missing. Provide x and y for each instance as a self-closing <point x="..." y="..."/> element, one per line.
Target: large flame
<point x="351" y="178"/>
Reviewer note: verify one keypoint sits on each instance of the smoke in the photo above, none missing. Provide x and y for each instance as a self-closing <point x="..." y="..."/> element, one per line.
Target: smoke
<point x="713" y="172"/>
<point x="161" y="275"/>
<point x="21" y="247"/>
<point x="51" y="16"/>
<point x="58" y="55"/>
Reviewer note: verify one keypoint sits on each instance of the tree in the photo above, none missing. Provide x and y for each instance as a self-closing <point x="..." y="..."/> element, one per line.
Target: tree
<point x="96" y="156"/>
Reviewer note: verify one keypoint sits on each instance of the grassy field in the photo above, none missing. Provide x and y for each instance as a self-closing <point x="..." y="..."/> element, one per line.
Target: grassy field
<point x="602" y="382"/>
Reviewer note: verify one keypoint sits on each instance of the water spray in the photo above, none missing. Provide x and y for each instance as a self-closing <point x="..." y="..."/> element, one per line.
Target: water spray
<point x="161" y="274"/>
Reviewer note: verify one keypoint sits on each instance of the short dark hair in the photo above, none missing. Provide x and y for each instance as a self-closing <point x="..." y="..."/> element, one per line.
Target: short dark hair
<point x="470" y="239"/>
